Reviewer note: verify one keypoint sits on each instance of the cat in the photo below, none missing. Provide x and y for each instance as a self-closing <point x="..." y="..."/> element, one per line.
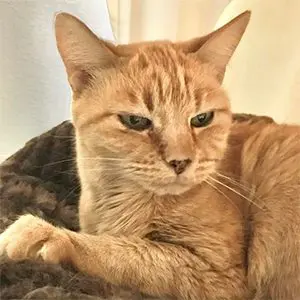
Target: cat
<point x="176" y="201"/>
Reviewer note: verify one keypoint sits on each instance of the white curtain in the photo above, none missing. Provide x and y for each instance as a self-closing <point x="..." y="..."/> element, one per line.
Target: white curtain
<point x="264" y="75"/>
<point x="34" y="93"/>
<point x="137" y="20"/>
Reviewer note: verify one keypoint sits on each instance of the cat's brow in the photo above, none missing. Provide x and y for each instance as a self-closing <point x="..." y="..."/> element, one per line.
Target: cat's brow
<point x="95" y="119"/>
<point x="147" y="97"/>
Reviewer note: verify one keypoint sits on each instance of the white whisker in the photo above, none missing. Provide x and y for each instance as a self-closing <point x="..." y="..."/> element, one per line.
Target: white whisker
<point x="236" y="192"/>
<point x="246" y="189"/>
<point x="222" y="193"/>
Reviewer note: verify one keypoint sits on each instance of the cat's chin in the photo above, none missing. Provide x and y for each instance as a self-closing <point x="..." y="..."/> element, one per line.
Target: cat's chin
<point x="169" y="189"/>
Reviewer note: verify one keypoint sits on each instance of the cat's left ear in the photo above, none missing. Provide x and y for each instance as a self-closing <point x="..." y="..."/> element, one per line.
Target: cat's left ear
<point x="218" y="47"/>
<point x="81" y="51"/>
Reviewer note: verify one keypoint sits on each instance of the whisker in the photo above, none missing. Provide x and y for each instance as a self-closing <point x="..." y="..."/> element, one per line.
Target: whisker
<point x="230" y="175"/>
<point x="139" y="167"/>
<point x="246" y="189"/>
<point x="222" y="193"/>
<point x="114" y="171"/>
<point x="70" y="172"/>
<point x="235" y="191"/>
<point x="83" y="158"/>
<point x="124" y="171"/>
<point x="102" y="158"/>
<point x="73" y="190"/>
<point x="56" y="162"/>
<point x="63" y="137"/>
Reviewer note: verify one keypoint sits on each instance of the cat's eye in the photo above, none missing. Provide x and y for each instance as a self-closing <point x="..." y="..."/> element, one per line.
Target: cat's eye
<point x="203" y="119"/>
<point x="135" y="122"/>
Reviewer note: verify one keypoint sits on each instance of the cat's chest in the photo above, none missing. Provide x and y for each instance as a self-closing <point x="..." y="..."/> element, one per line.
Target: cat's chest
<point x="126" y="214"/>
<point x="140" y="214"/>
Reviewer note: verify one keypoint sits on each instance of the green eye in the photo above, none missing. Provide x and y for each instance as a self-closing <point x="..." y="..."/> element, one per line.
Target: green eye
<point x="202" y="120"/>
<point x="135" y="122"/>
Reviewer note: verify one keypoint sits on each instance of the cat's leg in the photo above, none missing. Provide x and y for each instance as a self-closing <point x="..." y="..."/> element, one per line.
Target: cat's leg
<point x="158" y="269"/>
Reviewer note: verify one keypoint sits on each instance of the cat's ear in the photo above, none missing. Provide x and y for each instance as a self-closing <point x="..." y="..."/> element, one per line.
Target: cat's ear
<point x="218" y="47"/>
<point x="81" y="50"/>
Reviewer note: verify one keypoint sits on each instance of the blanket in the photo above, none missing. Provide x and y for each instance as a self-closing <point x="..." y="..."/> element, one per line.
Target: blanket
<point x="41" y="179"/>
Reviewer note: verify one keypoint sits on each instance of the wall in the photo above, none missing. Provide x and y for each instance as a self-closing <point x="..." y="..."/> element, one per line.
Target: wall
<point x="34" y="94"/>
<point x="264" y="75"/>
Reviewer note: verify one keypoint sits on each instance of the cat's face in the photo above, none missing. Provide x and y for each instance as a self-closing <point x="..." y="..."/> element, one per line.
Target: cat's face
<point x="156" y="116"/>
<point x="162" y="114"/>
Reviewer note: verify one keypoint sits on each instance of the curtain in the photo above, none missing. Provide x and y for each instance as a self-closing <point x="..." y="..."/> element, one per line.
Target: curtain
<point x="264" y="74"/>
<point x="137" y="20"/>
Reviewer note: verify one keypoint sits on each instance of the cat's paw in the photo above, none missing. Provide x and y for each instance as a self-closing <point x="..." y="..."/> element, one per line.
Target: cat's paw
<point x="34" y="238"/>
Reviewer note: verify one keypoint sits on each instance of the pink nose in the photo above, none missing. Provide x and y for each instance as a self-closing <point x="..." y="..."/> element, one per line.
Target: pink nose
<point x="179" y="166"/>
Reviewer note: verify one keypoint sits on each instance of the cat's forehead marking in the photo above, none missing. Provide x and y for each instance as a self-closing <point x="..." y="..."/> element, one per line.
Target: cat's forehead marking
<point x="163" y="78"/>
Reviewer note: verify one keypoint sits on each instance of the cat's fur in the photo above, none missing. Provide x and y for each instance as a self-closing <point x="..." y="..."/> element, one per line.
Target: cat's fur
<point x="226" y="228"/>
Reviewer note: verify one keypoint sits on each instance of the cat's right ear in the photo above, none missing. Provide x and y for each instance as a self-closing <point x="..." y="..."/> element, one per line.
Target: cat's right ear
<point x="81" y="50"/>
<point x="219" y="46"/>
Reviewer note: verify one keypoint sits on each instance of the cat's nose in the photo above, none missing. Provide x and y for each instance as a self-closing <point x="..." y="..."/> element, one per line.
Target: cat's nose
<point x="179" y="166"/>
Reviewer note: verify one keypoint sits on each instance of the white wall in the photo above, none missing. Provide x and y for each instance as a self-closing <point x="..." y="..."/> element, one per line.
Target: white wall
<point x="264" y="74"/>
<point x="34" y="94"/>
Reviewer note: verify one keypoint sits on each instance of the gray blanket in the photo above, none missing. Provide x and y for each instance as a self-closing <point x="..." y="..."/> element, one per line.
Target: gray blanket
<point x="41" y="179"/>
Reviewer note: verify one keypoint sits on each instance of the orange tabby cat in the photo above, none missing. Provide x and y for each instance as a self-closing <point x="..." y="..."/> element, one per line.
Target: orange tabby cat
<point x="176" y="201"/>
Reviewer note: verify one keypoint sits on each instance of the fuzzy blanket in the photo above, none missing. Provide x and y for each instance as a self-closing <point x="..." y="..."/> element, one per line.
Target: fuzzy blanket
<point x="41" y="179"/>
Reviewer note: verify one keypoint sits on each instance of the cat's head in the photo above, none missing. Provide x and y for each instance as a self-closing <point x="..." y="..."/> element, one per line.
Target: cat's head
<point x="155" y="111"/>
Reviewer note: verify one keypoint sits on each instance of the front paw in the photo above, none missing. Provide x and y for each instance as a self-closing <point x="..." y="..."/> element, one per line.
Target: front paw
<point x="32" y="237"/>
